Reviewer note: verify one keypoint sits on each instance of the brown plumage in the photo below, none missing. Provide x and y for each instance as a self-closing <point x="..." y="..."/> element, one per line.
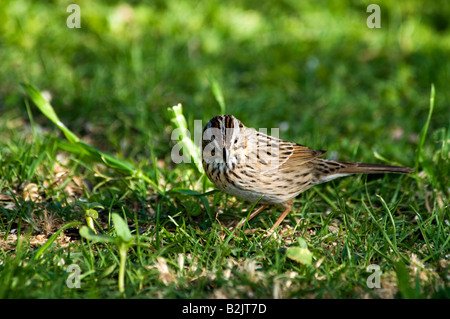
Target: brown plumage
<point x="252" y="165"/>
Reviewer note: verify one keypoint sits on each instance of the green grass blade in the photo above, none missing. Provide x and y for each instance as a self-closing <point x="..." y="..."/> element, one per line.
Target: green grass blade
<point x="107" y="159"/>
<point x="178" y="121"/>
<point x="403" y="278"/>
<point x="53" y="238"/>
<point x="423" y="133"/>
<point x="394" y="231"/>
<point x="190" y="192"/>
<point x="218" y="94"/>
<point x="46" y="108"/>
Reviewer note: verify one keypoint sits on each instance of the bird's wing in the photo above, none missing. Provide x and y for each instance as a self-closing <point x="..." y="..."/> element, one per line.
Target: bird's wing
<point x="293" y="155"/>
<point x="276" y="154"/>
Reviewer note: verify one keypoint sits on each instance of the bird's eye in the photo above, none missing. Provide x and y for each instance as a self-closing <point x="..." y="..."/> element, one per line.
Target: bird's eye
<point x="235" y="141"/>
<point x="213" y="152"/>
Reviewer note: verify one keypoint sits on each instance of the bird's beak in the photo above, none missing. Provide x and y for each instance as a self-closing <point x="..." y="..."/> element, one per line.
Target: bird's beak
<point x="225" y="155"/>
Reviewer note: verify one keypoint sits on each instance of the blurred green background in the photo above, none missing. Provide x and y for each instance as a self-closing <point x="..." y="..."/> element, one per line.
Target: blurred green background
<point x="313" y="68"/>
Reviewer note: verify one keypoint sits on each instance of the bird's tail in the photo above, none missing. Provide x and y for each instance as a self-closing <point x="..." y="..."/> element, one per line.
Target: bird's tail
<point x="327" y="170"/>
<point x="365" y="168"/>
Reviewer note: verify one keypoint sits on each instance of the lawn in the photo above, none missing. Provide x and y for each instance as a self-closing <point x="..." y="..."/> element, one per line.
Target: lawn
<point x="97" y="208"/>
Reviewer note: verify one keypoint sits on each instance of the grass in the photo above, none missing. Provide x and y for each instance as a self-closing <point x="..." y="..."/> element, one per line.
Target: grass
<point x="315" y="71"/>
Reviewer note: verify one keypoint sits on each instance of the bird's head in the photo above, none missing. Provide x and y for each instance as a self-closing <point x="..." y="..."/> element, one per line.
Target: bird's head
<point x="223" y="140"/>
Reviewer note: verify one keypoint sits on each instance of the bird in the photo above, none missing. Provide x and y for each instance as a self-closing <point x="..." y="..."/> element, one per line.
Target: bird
<point x="252" y="165"/>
